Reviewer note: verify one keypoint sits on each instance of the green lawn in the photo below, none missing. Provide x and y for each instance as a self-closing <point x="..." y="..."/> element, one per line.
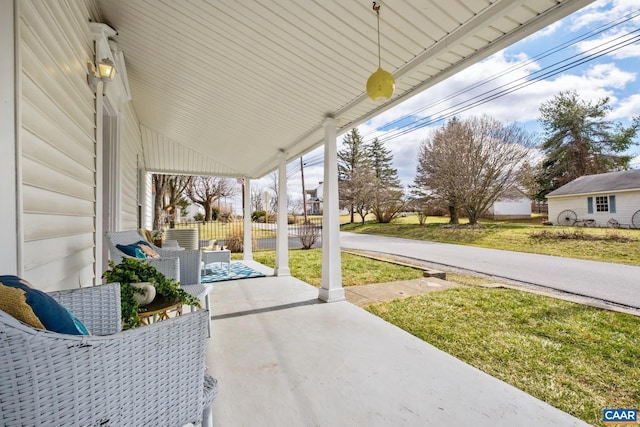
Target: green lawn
<point x="306" y="265"/>
<point x="598" y="244"/>
<point x="576" y="358"/>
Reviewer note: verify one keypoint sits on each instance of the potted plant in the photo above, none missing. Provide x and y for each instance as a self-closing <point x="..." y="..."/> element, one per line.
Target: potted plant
<point x="156" y="236"/>
<point x="132" y="271"/>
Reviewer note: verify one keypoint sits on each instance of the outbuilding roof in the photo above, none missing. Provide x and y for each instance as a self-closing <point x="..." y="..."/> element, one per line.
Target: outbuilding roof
<point x="611" y="181"/>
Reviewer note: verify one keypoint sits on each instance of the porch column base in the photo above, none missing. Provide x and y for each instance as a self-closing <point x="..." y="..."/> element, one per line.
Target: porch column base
<point x="331" y="295"/>
<point x="283" y="271"/>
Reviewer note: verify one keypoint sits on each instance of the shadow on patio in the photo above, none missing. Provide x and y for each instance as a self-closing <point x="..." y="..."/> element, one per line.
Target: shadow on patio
<point x="282" y="358"/>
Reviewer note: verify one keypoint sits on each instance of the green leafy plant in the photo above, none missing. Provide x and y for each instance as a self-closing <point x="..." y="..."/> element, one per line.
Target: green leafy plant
<point x="133" y="270"/>
<point x="256" y="215"/>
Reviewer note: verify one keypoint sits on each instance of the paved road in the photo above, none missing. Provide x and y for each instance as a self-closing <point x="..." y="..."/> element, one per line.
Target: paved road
<point x="615" y="283"/>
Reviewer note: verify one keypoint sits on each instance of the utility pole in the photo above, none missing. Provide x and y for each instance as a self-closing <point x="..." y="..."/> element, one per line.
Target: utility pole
<point x="304" y="193"/>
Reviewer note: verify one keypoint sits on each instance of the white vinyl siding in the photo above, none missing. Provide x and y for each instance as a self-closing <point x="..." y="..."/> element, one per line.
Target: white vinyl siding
<point x="625" y="204"/>
<point x="130" y="158"/>
<point x="57" y="141"/>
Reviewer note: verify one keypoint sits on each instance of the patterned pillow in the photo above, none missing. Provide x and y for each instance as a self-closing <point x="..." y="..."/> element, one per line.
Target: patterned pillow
<point x="36" y="308"/>
<point x="132" y="250"/>
<point x="147" y="249"/>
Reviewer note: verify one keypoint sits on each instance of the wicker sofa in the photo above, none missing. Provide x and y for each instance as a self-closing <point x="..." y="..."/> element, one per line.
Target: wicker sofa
<point x="148" y="376"/>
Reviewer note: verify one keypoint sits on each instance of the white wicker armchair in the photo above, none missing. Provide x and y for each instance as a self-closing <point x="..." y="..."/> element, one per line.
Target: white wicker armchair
<point x="148" y="376"/>
<point x="183" y="266"/>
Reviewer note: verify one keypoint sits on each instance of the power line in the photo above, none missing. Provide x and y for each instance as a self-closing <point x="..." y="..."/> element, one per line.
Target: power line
<point x="507" y="88"/>
<point x="412" y="126"/>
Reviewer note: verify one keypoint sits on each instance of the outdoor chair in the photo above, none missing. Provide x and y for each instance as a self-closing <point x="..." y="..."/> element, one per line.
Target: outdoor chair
<point x="147" y="376"/>
<point x="180" y="265"/>
<point x="183" y="267"/>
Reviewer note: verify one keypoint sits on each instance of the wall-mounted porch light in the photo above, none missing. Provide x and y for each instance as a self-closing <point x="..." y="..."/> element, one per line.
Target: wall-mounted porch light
<point x="104" y="72"/>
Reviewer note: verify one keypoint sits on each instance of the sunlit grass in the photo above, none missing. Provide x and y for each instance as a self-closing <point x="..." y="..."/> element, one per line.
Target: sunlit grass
<point x="578" y="359"/>
<point x="306" y="265"/>
<point x="514" y="237"/>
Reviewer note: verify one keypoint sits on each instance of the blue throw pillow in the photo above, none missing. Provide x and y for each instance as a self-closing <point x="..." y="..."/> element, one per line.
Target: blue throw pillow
<point x="36" y="308"/>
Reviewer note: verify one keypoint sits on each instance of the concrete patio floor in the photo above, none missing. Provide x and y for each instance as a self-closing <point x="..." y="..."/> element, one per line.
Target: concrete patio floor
<point x="282" y="358"/>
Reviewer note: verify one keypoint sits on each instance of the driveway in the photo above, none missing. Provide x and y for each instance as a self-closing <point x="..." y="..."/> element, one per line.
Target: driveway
<point x="614" y="283"/>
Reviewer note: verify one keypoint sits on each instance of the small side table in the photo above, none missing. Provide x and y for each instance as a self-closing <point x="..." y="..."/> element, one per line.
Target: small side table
<point x="221" y="256"/>
<point x="160" y="310"/>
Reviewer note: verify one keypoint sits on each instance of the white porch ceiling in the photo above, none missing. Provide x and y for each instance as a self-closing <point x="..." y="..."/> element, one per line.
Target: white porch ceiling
<point x="223" y="87"/>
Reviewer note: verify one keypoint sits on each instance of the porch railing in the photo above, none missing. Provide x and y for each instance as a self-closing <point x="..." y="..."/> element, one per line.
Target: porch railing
<point x="263" y="235"/>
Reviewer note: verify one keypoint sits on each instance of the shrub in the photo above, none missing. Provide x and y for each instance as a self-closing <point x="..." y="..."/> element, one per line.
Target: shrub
<point x="308" y="235"/>
<point x="235" y="240"/>
<point x="255" y="215"/>
<point x="199" y="217"/>
<point x="226" y="215"/>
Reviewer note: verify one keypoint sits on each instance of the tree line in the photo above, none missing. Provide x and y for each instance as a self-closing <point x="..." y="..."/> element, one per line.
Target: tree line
<point x="179" y="191"/>
<point x="468" y="164"/>
<point x="463" y="167"/>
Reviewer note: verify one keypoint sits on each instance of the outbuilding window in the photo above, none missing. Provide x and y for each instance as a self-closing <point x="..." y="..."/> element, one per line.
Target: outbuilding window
<point x="602" y="204"/>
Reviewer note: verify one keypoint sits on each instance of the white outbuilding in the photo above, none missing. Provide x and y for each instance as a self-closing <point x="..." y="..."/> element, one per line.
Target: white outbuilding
<point x="609" y="199"/>
<point x="512" y="204"/>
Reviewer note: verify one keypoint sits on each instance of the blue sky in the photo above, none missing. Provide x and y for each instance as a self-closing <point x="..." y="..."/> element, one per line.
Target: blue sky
<point x="614" y="75"/>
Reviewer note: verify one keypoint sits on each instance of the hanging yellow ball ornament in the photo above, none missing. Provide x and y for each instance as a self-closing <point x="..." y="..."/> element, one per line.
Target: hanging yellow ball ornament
<point x="380" y="85"/>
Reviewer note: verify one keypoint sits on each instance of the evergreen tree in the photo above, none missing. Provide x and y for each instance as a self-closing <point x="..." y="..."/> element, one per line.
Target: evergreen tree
<point x="353" y="163"/>
<point x="580" y="141"/>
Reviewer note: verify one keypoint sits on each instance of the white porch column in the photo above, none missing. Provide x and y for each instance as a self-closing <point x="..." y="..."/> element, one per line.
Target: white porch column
<point x="10" y="227"/>
<point x="247" y="253"/>
<point x="331" y="284"/>
<point x="282" y="234"/>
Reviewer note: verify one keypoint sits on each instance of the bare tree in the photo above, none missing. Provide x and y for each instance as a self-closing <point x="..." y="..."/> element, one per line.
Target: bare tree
<point x="274" y="197"/>
<point x="359" y="189"/>
<point x="175" y="189"/>
<point x="470" y="163"/>
<point x="387" y="199"/>
<point x="296" y="205"/>
<point x="159" y="184"/>
<point x="257" y="202"/>
<point x="207" y="189"/>
<point x="437" y="174"/>
<point x="168" y="191"/>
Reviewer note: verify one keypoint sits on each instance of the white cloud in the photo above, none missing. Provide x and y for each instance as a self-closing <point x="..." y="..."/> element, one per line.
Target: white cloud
<point x="546" y="31"/>
<point x="602" y="11"/>
<point x="627" y="108"/>
<point x="610" y="40"/>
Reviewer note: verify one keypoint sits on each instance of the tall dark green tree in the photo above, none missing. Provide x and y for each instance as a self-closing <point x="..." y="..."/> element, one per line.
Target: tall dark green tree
<point x="353" y="164"/>
<point x="579" y="140"/>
